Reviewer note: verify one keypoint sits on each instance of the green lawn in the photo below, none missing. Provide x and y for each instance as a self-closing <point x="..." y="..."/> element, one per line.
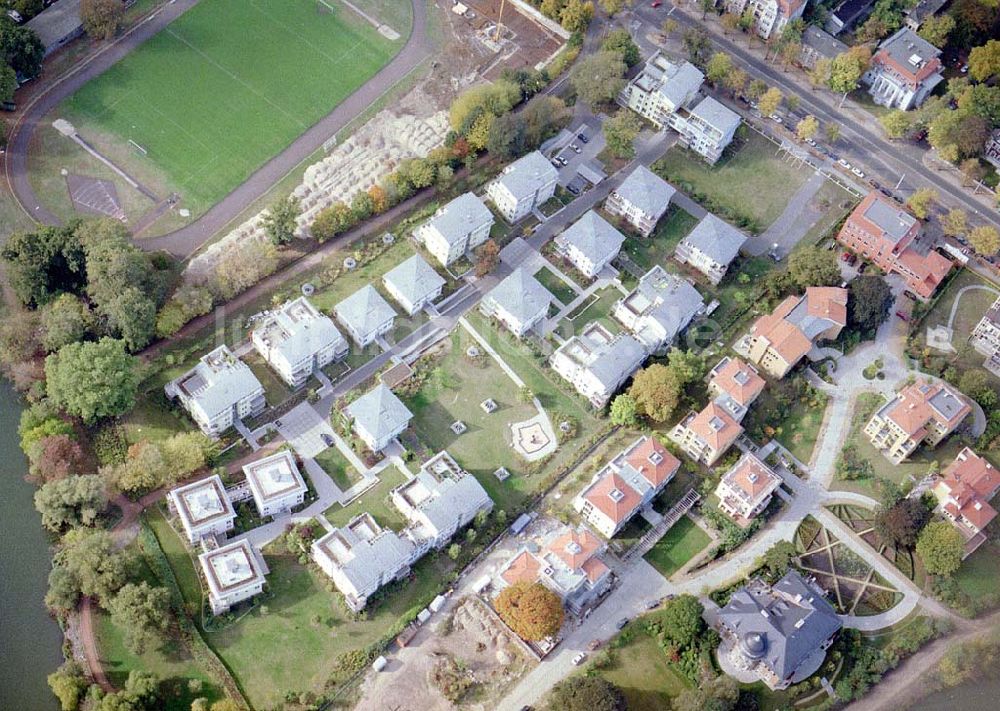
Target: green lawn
<point x="659" y="247"/>
<point x="178" y="557"/>
<point x="641" y="671"/>
<point x="679" y="545"/>
<point x="597" y="308"/>
<point x="485" y="446"/>
<point x="980" y="573"/>
<point x="207" y="109"/>
<point x="375" y="501"/>
<point x="336" y="465"/>
<point x="275" y="389"/>
<point x="797" y="429"/>
<point x="752" y="183"/>
<point x="563" y="292"/>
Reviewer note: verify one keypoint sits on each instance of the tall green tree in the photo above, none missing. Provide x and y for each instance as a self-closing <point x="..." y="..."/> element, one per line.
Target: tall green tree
<point x="279" y="222"/>
<point x="656" y="392"/>
<point x="142" y="613"/>
<point x="65" y="320"/>
<point x="44" y="263"/>
<point x="940" y="547"/>
<point x="620" y="41"/>
<point x="92" y="380"/>
<point x="585" y="693"/>
<point x="814" y="266"/>
<point x="681" y="620"/>
<point x="87" y="563"/>
<point x="869" y="302"/>
<point x="620" y="132"/>
<point x="598" y="78"/>
<point x="73" y="501"/>
<point x="102" y="18"/>
<point x="984" y="61"/>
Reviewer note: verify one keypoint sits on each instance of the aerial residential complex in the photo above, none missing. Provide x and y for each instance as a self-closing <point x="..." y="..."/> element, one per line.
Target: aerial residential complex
<point x="658" y="308"/>
<point x="378" y="417"/>
<point x="964" y="490"/>
<point x="597" y="362"/>
<point x="710" y="247"/>
<point x="884" y="232"/>
<point x="770" y="16"/>
<point x="781" y="632"/>
<point x="590" y="243"/>
<point x="457" y="228"/>
<point x="203" y="507"/>
<point x="904" y="70"/>
<point x="218" y="391"/>
<point x="745" y="490"/>
<point x="366" y="315"/>
<point x="705" y="436"/>
<point x="779" y="340"/>
<point x="522" y="186"/>
<point x="413" y="284"/>
<point x="625" y="485"/>
<point x="924" y="412"/>
<point x="568" y="562"/>
<point x="297" y="340"/>
<point x="234" y="573"/>
<point x="276" y="483"/>
<point x="519" y="302"/>
<point x="641" y="199"/>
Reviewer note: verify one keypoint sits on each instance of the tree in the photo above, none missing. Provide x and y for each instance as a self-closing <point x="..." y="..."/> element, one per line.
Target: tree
<point x="936" y="28"/>
<point x="847" y="67"/>
<point x="73" y="501"/>
<point x="586" y="693"/>
<point x="955" y="222"/>
<point x="669" y="26"/>
<point x="506" y="137"/>
<point x="68" y="684"/>
<point x="973" y="170"/>
<point x="896" y="123"/>
<point x="736" y="81"/>
<point x="620" y="41"/>
<point x="770" y="101"/>
<point x="140" y="694"/>
<point x="8" y="83"/>
<point x="145" y="468"/>
<point x="832" y="131"/>
<point x="92" y="380"/>
<point x="454" y="550"/>
<point x="56" y="457"/>
<point x="717" y="693"/>
<point x="807" y="128"/>
<point x="869" y="303"/>
<point x="958" y="134"/>
<point x="487" y="258"/>
<point x="730" y="22"/>
<point x="940" y="547"/>
<point x="696" y="43"/>
<point x="976" y="384"/>
<point x="331" y="221"/>
<point x="530" y="609"/>
<point x="985" y="239"/>
<point x="921" y="201"/>
<point x="718" y="67"/>
<point x="142" y="613"/>
<point x="707" y="6"/>
<point x="543" y="116"/>
<point x="613" y="7"/>
<point x="131" y="316"/>
<point x="819" y="75"/>
<point x="102" y="18"/>
<point x="656" y="392"/>
<point x="756" y="89"/>
<point x="790" y="52"/>
<point x="814" y="266"/>
<point x="279" y="222"/>
<point x="576" y="15"/>
<point x="620" y="132"/>
<point x="598" y="78"/>
<point x="88" y="563"/>
<point x="21" y="48"/>
<point x="624" y="410"/>
<point x="65" y="320"/>
<point x="681" y="620"/>
<point x="899" y="525"/>
<point x="984" y="61"/>
<point x="777" y="559"/>
<point x="44" y="263"/>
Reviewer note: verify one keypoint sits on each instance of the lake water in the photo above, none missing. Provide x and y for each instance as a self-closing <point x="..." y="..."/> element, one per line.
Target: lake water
<point x="30" y="640"/>
<point x="982" y="694"/>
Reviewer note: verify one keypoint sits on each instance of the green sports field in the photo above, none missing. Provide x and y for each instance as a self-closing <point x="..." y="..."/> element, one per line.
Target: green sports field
<point x="225" y="87"/>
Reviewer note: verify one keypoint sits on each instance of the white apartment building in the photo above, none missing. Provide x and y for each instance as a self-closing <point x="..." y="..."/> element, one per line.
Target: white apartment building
<point x="413" y="284"/>
<point x="522" y="186"/>
<point x="597" y="362"/>
<point x="904" y="71"/>
<point x="361" y="557"/>
<point x="710" y="247"/>
<point x="707" y="129"/>
<point x="519" y="302"/>
<point x="746" y="489"/>
<point x="203" y="507"/>
<point x="457" y="228"/>
<point x="986" y="337"/>
<point x="378" y="417"/>
<point x="641" y="199"/>
<point x="218" y="391"/>
<point x="770" y="16"/>
<point x="297" y="340"/>
<point x="234" y="573"/>
<point x="276" y="483"/>
<point x="661" y="89"/>
<point x="658" y="308"/>
<point x="365" y="315"/>
<point x="590" y="243"/>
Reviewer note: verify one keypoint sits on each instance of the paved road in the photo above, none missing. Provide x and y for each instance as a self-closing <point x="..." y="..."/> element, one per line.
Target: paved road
<point x="186" y="240"/>
<point x="864" y="145"/>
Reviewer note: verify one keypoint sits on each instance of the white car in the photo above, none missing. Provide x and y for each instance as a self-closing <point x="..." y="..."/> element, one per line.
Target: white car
<point x="844" y="164"/>
<point x="578" y="659"/>
<point x="858" y="172"/>
<point x="811" y="142"/>
<point x="775" y="118"/>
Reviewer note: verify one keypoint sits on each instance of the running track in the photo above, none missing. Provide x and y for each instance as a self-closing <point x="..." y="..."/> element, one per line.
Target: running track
<point x="186" y="240"/>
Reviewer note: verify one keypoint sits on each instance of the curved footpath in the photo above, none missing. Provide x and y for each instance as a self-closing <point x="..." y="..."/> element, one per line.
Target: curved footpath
<point x="186" y="240"/>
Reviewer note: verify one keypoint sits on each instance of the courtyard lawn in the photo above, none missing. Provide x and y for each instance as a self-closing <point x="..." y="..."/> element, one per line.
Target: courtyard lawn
<point x="640" y="669"/>
<point x="979" y="575"/>
<point x="375" y="501"/>
<point x="292" y="640"/>
<point x="797" y="428"/>
<point x="171" y="662"/>
<point x="659" y="247"/>
<point x="336" y="465"/>
<point x="723" y="188"/>
<point x="562" y="291"/>
<point x="597" y="308"/>
<point x="178" y="557"/>
<point x="154" y="419"/>
<point x="679" y="545"/>
<point x="276" y="390"/>
<point x="204" y="137"/>
<point x="486" y="445"/>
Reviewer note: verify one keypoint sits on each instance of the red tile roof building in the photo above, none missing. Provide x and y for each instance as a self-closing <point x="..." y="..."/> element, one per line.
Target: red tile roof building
<point x="707" y="435"/>
<point x="921" y="413"/>
<point x="745" y="490"/>
<point x="964" y="491"/>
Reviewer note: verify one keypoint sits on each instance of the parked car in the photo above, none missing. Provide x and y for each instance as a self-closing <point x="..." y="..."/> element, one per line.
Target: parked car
<point x="583" y="138"/>
<point x="277" y="423"/>
<point x="775" y="118"/>
<point x="858" y="172"/>
<point x="594" y="645"/>
<point x="621" y="623"/>
<point x="578" y="659"/>
<point x="844" y="164"/>
<point x="575" y="148"/>
<point x="655" y="3"/>
<point x="910" y="296"/>
<point x="902" y="316"/>
<point x="8" y="106"/>
<point x="327" y="439"/>
<point x="863" y="268"/>
<point x="15" y="16"/>
<point x="811" y="142"/>
<point x="573" y="189"/>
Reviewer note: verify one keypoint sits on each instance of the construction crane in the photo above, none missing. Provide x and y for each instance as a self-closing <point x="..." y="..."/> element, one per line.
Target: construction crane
<point x="496" y="37"/>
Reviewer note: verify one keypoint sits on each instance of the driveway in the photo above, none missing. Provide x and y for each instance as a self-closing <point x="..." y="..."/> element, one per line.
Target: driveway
<point x="303" y="428"/>
<point x="794" y="222"/>
<point x="186" y="240"/>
